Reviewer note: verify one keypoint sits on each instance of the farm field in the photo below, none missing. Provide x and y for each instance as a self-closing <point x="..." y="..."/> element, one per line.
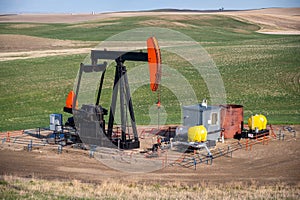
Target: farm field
<point x="39" y="63"/>
<point x="256" y="53"/>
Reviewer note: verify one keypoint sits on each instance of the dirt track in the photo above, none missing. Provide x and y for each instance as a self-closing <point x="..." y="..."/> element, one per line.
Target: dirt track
<point x="265" y="164"/>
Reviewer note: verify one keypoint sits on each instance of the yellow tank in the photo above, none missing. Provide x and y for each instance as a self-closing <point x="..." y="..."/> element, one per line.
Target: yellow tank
<point x="257" y="121"/>
<point x="197" y="134"/>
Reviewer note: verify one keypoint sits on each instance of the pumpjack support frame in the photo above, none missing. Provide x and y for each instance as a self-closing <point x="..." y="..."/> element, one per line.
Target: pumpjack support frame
<point x="121" y="87"/>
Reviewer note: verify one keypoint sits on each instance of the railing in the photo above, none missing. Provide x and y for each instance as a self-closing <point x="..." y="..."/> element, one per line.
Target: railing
<point x="190" y="160"/>
<point x="35" y="138"/>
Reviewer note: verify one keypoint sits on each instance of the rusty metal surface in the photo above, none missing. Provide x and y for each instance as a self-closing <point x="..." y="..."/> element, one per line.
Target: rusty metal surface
<point x="232" y="117"/>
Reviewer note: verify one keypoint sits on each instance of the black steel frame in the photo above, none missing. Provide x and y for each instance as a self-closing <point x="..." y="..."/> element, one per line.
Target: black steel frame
<point x="121" y="86"/>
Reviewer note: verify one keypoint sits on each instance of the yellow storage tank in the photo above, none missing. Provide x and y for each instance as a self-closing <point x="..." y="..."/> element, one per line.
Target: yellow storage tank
<point x="257" y="121"/>
<point x="197" y="134"/>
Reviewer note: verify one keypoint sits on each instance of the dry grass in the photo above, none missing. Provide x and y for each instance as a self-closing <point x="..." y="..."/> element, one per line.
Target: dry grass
<point x="21" y="26"/>
<point x="272" y="20"/>
<point x="186" y="17"/>
<point x="17" y="43"/>
<point x="93" y="25"/>
<point x="168" y="24"/>
<point x="15" y="187"/>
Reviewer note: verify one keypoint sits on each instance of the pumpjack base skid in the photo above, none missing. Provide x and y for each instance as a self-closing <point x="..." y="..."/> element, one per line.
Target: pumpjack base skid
<point x="128" y="144"/>
<point x="252" y="134"/>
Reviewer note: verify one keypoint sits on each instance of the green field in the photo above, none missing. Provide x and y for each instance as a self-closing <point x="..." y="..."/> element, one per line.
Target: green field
<point x="259" y="71"/>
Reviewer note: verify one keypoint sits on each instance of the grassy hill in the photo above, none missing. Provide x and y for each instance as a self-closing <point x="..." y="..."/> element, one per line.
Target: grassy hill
<point x="259" y="71"/>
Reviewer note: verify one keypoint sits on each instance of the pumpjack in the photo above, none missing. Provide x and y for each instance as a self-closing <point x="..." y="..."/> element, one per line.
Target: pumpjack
<point x="89" y="119"/>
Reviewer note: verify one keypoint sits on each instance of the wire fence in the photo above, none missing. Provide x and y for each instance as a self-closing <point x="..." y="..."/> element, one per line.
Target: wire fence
<point x="37" y="138"/>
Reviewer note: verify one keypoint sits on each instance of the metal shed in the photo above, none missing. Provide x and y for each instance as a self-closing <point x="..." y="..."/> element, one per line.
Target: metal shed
<point x="209" y="116"/>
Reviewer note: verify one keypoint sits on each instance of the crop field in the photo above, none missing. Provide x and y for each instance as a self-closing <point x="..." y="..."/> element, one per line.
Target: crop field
<point x="39" y="60"/>
<point x="259" y="71"/>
